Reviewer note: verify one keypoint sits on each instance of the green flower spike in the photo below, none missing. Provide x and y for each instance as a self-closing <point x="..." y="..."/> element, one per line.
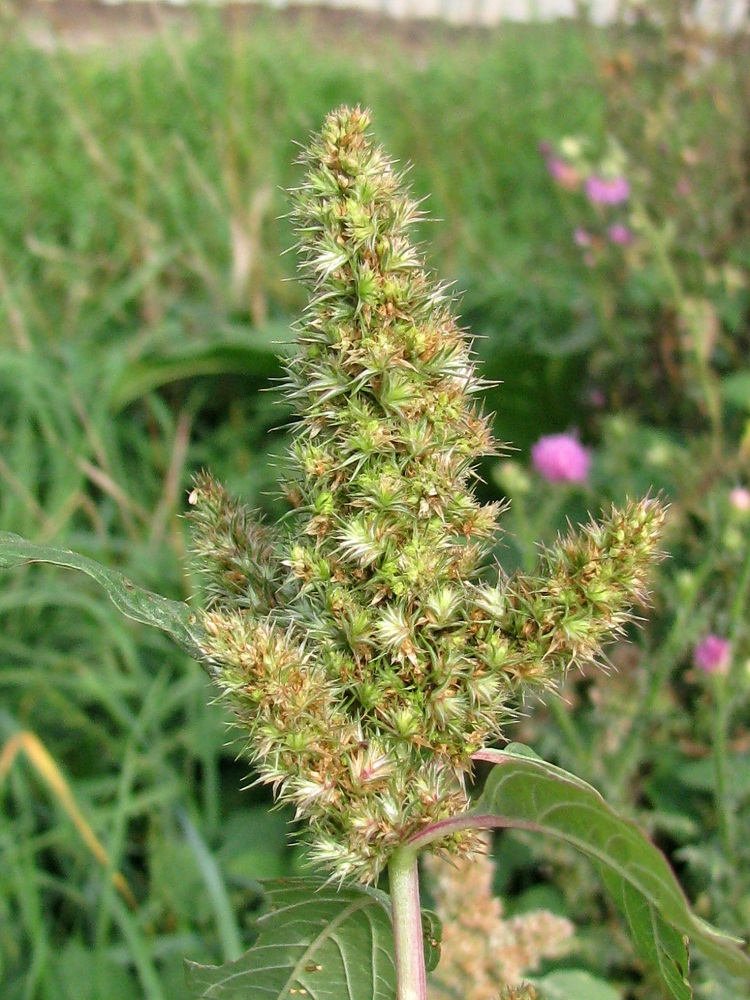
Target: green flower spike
<point x="358" y="645"/>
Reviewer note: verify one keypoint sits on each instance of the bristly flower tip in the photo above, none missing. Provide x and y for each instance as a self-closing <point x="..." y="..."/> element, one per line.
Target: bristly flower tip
<point x="358" y="644"/>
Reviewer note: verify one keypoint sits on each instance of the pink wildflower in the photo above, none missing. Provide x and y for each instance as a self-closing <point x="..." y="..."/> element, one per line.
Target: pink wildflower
<point x="712" y="655"/>
<point x="604" y="191"/>
<point x="740" y="498"/>
<point x="620" y="234"/>
<point x="582" y="237"/>
<point x="563" y="173"/>
<point x="561" y="458"/>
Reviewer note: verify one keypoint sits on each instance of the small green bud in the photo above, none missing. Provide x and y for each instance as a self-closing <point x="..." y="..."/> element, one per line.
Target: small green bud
<point x="367" y="286"/>
<point x="324" y="503"/>
<point x="685" y="580"/>
<point x="447" y="708"/>
<point x="321" y="571"/>
<point x="441" y="606"/>
<point x="512" y="478"/>
<point x="495" y="651"/>
<point x="491" y="600"/>
<point x="297" y="741"/>
<point x="369" y="694"/>
<point x="733" y="539"/>
<point x="405" y="722"/>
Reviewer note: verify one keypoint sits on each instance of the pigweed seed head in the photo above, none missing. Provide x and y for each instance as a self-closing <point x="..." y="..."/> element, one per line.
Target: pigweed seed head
<point x="359" y="645"/>
<point x="483" y="950"/>
<point x="523" y="992"/>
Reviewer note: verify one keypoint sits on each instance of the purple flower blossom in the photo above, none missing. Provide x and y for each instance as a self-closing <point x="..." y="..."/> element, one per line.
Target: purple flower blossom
<point x="712" y="655"/>
<point x="582" y="237"/>
<point x="561" y="458"/>
<point x="607" y="191"/>
<point x="620" y="234"/>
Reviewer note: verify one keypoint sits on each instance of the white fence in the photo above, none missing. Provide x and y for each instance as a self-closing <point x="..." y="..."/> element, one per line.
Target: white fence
<point x="463" y="11"/>
<point x="720" y="15"/>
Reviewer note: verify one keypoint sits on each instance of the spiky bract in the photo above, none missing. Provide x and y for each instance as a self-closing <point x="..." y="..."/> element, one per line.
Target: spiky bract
<point x="361" y="651"/>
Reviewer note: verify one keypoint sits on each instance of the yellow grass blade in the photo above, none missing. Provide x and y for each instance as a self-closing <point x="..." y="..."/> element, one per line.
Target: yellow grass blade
<point x="46" y="767"/>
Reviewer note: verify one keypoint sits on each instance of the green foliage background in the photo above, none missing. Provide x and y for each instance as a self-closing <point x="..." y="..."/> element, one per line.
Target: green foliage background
<point x="144" y="296"/>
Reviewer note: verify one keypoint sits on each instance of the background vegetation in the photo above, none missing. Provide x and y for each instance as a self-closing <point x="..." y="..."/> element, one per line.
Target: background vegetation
<point x="143" y="296"/>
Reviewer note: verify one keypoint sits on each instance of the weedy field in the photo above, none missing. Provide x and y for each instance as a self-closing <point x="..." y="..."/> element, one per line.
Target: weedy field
<point x="145" y="295"/>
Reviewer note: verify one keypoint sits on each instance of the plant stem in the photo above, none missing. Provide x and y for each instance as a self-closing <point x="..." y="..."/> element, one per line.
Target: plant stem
<point x="403" y="876"/>
<point x="724" y="800"/>
<point x="699" y="349"/>
<point x="673" y="645"/>
<point x="570" y="734"/>
<point x="722" y="721"/>
<point x="739" y="603"/>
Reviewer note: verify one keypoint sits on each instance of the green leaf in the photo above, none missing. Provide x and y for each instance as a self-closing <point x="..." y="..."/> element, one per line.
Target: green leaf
<point x="521" y="750"/>
<point x="432" y="931"/>
<point x="735" y="389"/>
<point x="575" y="984"/>
<point x="173" y="617"/>
<point x="254" y="844"/>
<point x="227" y="351"/>
<point x="82" y="974"/>
<point x="701" y="775"/>
<point x="530" y="794"/>
<point x="657" y="941"/>
<point x="329" y="942"/>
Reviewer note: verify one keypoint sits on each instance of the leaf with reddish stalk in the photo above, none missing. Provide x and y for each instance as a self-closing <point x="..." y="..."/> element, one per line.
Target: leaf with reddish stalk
<point x="525" y="792"/>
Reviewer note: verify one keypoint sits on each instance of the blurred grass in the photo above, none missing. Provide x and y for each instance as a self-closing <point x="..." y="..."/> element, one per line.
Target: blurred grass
<point x="142" y="291"/>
